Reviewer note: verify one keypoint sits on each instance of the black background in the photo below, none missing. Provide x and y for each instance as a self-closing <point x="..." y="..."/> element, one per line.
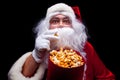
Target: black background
<point x="20" y="16"/>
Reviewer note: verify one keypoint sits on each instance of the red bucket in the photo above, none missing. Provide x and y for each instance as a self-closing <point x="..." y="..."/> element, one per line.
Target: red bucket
<point x="56" y="72"/>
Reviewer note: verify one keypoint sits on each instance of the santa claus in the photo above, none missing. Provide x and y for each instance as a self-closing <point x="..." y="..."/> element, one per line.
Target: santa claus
<point x="63" y="21"/>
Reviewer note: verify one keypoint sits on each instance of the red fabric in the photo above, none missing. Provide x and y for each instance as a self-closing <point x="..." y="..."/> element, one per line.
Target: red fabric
<point x="77" y="12"/>
<point x="96" y="70"/>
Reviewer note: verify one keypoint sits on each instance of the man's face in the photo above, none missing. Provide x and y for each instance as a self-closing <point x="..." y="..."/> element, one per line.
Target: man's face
<point x="60" y="21"/>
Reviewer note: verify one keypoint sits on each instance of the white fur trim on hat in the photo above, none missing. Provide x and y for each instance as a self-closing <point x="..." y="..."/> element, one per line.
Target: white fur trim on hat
<point x="60" y="7"/>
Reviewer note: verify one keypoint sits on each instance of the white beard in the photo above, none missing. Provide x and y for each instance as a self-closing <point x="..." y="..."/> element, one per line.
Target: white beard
<point x="68" y="38"/>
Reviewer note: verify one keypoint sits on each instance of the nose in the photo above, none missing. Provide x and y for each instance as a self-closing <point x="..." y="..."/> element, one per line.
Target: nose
<point x="61" y="24"/>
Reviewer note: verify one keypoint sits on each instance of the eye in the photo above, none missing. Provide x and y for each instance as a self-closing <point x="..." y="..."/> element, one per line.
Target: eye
<point x="54" y="21"/>
<point x="66" y="21"/>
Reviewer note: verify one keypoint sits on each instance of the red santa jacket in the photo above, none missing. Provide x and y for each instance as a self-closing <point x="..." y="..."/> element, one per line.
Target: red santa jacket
<point x="96" y="70"/>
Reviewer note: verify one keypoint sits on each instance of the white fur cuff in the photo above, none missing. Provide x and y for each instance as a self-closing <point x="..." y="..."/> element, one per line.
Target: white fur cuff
<point x="35" y="56"/>
<point x="15" y="71"/>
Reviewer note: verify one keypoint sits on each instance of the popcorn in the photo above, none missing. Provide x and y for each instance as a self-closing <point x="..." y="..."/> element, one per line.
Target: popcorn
<point x="56" y="34"/>
<point x="66" y="58"/>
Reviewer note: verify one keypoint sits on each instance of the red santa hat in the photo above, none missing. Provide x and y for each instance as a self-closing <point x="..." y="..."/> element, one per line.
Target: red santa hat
<point x="62" y="7"/>
<point x="77" y="12"/>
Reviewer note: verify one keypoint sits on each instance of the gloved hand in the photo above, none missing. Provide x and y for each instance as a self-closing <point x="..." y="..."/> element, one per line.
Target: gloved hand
<point x="42" y="44"/>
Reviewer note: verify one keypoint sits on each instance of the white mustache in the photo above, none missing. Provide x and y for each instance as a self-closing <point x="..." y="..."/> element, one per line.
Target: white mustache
<point x="65" y="35"/>
<point x="65" y="32"/>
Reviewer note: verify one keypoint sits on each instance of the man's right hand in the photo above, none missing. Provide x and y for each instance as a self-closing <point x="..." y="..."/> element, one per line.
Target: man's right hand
<point x="42" y="44"/>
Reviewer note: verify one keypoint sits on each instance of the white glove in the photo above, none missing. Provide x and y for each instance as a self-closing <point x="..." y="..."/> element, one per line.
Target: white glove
<point x="42" y="44"/>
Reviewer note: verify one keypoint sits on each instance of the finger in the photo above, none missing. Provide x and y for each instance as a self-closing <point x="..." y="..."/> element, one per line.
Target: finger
<point x="51" y="32"/>
<point x="51" y="37"/>
<point x="43" y="45"/>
